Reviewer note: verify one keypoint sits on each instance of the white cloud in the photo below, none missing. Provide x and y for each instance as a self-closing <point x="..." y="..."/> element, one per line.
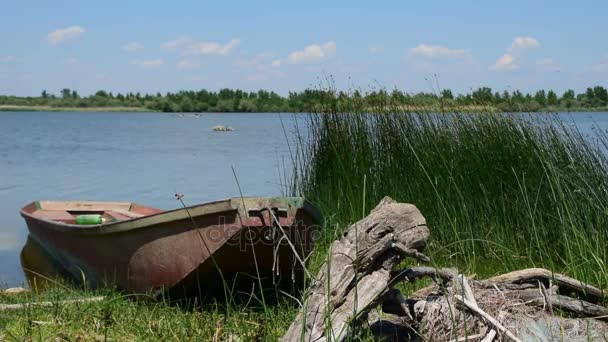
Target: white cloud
<point x="376" y="49"/>
<point x="438" y="51"/>
<point x="186" y="64"/>
<point x="505" y="62"/>
<point x="133" y="47"/>
<point x="276" y="63"/>
<point x="428" y="58"/>
<point x="211" y="48"/>
<point x="601" y="66"/>
<point x="313" y="53"/>
<point x="523" y="43"/>
<point x="511" y="59"/>
<point x="62" y="35"/>
<point x="148" y="63"/>
<point x="175" y="44"/>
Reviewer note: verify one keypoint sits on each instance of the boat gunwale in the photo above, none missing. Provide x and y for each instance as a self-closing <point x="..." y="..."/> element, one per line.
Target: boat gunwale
<point x="208" y="208"/>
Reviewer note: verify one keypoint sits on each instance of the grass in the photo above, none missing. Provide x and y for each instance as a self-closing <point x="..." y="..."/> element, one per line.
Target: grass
<point x="499" y="192"/>
<point x="120" y="318"/>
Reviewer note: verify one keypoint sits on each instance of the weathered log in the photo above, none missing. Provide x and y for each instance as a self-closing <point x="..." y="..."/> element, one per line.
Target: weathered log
<point x="591" y="293"/>
<point x="578" y="307"/>
<point x="357" y="271"/>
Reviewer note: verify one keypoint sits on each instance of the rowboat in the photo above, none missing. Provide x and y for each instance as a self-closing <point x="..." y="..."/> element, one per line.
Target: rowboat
<point x="142" y="249"/>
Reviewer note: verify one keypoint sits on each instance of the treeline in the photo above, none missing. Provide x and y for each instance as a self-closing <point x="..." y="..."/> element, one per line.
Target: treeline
<point x="228" y="100"/>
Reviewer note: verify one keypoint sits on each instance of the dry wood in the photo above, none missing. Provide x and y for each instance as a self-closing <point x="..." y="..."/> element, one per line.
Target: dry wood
<point x="411" y="274"/>
<point x="490" y="336"/>
<point x="358" y="269"/>
<point x="469" y="338"/>
<point x="487" y="317"/>
<point x="13" y="307"/>
<point x="466" y="289"/>
<point x="563" y="282"/>
<point x="14" y="291"/>
<point x="577" y="306"/>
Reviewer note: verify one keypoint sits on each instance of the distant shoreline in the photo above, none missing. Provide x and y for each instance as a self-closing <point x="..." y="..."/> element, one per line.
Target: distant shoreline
<point x="14" y="108"/>
<point x="438" y="109"/>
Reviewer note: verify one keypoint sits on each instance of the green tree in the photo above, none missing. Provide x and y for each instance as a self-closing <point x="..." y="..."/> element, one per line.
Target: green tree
<point x="482" y="95"/>
<point x="225" y="106"/>
<point x="101" y="93"/>
<point x="541" y="98"/>
<point x="551" y="98"/>
<point x="44" y="94"/>
<point x="186" y="105"/>
<point x="446" y="94"/>
<point x="568" y="99"/>
<point x="247" y="105"/>
<point x="66" y="93"/>
<point x="589" y="97"/>
<point x="600" y="95"/>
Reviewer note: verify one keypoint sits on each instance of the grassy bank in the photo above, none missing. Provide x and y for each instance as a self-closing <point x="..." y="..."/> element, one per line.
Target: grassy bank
<point x="499" y="192"/>
<point x="14" y="108"/>
<point x="118" y="317"/>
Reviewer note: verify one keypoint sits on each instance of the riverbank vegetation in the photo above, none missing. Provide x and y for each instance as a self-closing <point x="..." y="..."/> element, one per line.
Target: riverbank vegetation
<point x="310" y="100"/>
<point x="499" y="193"/>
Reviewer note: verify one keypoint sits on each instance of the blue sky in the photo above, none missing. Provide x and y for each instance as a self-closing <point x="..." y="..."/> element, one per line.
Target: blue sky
<point x="152" y="46"/>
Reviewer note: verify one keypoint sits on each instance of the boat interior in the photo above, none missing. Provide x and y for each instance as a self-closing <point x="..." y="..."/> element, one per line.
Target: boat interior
<point x="67" y="211"/>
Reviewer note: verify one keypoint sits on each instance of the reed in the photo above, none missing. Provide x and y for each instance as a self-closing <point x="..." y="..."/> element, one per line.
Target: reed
<point x="499" y="191"/>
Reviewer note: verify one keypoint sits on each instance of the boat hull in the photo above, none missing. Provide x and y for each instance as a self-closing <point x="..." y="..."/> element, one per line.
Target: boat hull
<point x="168" y="249"/>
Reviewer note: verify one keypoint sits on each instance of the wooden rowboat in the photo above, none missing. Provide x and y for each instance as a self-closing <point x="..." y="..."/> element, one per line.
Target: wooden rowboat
<point x="142" y="249"/>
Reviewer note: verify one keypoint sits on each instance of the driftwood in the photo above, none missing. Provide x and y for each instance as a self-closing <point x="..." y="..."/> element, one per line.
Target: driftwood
<point x="357" y="271"/>
<point x="359" y="274"/>
<point x="14" y="291"/>
<point x="564" y="283"/>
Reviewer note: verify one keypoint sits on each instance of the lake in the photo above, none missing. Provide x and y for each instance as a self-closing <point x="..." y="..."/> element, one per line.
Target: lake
<point x="145" y="158"/>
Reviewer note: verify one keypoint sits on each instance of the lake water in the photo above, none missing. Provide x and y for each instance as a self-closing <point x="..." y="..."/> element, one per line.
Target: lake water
<point x="144" y="158"/>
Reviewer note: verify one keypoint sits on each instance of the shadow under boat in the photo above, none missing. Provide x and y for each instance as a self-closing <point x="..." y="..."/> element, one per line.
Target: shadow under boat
<point x="227" y="247"/>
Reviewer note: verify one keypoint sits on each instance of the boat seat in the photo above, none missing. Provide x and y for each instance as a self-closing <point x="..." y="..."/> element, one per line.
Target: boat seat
<point x="55" y="215"/>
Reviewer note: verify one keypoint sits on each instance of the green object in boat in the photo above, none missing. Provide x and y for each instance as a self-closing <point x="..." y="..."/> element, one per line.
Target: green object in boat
<point x="89" y="219"/>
